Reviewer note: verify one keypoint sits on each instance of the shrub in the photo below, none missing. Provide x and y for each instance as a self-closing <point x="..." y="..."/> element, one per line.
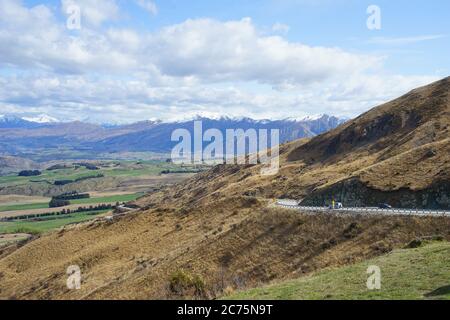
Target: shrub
<point x="29" y="173"/>
<point x="62" y="182"/>
<point x="57" y="167"/>
<point x="56" y="203"/>
<point x="72" y="196"/>
<point x="182" y="283"/>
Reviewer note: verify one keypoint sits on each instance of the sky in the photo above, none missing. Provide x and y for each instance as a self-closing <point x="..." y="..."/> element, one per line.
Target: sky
<point x="121" y="61"/>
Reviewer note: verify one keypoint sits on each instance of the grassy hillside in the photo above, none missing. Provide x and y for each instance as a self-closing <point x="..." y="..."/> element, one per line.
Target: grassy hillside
<point x="421" y="273"/>
<point x="234" y="243"/>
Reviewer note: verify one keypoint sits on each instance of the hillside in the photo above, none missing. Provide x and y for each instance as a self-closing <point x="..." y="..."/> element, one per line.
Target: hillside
<point x="217" y="230"/>
<point x="15" y="164"/>
<point x="420" y="273"/>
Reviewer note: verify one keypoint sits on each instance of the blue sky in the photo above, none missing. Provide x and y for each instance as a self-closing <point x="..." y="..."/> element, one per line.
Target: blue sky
<point x="172" y="59"/>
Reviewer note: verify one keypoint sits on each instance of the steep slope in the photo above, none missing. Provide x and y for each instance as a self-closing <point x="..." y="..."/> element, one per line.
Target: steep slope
<point x="401" y="151"/>
<point x="219" y="225"/>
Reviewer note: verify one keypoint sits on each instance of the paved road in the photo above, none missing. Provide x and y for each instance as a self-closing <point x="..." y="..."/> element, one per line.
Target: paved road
<point x="292" y="204"/>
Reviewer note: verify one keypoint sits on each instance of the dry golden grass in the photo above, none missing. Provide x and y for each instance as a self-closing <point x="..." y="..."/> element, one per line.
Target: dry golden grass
<point x="236" y="244"/>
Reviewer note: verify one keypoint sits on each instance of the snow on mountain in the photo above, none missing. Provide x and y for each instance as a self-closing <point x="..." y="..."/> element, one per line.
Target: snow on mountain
<point x="9" y="118"/>
<point x="43" y="118"/>
<point x="308" y="118"/>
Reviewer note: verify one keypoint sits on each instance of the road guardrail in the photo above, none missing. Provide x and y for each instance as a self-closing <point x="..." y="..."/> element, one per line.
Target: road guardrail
<point x="290" y="204"/>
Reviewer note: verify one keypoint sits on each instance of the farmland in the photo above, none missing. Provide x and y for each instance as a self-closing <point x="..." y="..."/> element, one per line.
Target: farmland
<point x="106" y="176"/>
<point x="46" y="224"/>
<point x="42" y="205"/>
<point x="24" y="200"/>
<point x="106" y="169"/>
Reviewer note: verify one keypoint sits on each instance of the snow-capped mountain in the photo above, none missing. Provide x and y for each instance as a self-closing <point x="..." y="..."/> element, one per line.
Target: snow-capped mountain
<point x="42" y="118"/>
<point x="32" y="133"/>
<point x="15" y="122"/>
<point x="9" y="118"/>
<point x="11" y="121"/>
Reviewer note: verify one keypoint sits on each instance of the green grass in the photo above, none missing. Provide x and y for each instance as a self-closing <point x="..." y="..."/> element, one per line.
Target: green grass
<point x="99" y="200"/>
<point x="125" y="170"/>
<point x="111" y="199"/>
<point x="4" y="242"/>
<point x="20" y="207"/>
<point x="422" y="273"/>
<point x="49" y="176"/>
<point x="49" y="224"/>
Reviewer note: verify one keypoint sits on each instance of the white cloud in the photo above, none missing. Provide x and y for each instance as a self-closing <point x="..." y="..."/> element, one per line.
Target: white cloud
<point x="280" y="27"/>
<point x="148" y="5"/>
<point x="404" y="40"/>
<point x="94" y="12"/>
<point x="204" y="49"/>
<point x="118" y="100"/>
<point x="235" y="50"/>
<point x="200" y="66"/>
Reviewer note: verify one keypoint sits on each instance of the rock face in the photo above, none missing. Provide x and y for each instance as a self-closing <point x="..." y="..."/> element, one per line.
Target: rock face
<point x="354" y="193"/>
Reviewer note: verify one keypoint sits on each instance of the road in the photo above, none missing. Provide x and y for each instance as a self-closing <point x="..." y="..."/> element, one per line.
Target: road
<point x="292" y="204"/>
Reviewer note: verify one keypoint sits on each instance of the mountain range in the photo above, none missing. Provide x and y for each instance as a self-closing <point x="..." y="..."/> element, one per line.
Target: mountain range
<point x="27" y="136"/>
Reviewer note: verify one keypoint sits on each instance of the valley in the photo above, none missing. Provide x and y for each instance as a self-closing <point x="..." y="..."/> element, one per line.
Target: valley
<point x="25" y="200"/>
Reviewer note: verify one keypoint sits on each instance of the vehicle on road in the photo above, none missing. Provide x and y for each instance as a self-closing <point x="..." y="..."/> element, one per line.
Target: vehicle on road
<point x="336" y="205"/>
<point x="384" y="206"/>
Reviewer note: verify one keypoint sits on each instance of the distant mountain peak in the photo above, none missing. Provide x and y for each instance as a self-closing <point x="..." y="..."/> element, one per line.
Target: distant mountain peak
<point x="9" y="118"/>
<point x="313" y="117"/>
<point x="42" y="118"/>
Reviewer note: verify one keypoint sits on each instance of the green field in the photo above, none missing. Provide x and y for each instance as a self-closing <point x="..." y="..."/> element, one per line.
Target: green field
<point x="27" y="206"/>
<point x="422" y="273"/>
<point x="107" y="169"/>
<point x="49" y="224"/>
<point x="100" y="200"/>
<point x="111" y="199"/>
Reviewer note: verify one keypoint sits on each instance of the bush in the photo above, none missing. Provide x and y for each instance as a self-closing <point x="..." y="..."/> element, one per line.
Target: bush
<point x="72" y="196"/>
<point x="182" y="283"/>
<point x="87" y="166"/>
<point x="57" y="167"/>
<point x="29" y="173"/>
<point x="62" y="182"/>
<point x="56" y="203"/>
